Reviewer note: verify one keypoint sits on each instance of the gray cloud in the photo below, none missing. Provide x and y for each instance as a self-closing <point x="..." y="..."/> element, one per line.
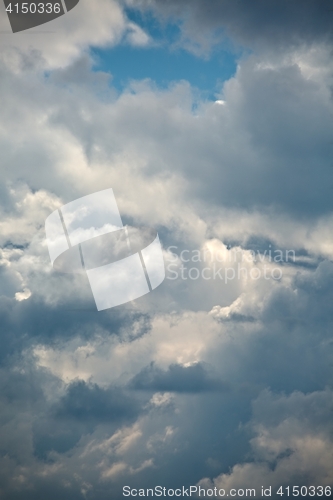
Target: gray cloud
<point x="196" y="380"/>
<point x="83" y="402"/>
<point x="79" y="411"/>
<point x="288" y="433"/>
<point x="31" y="322"/>
<point x="177" y="378"/>
<point x="86" y="423"/>
<point x="277" y="24"/>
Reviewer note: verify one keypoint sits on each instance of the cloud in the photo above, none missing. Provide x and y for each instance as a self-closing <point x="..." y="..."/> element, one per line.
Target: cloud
<point x="177" y="378"/>
<point x="84" y="402"/>
<point x="284" y="429"/>
<point x="276" y="25"/>
<point x="67" y="37"/>
<point x="254" y="153"/>
<point x="200" y="379"/>
<point x="136" y="36"/>
<point x="292" y="444"/>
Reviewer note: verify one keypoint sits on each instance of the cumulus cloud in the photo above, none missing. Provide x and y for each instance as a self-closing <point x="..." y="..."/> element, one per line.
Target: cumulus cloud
<point x="202" y="380"/>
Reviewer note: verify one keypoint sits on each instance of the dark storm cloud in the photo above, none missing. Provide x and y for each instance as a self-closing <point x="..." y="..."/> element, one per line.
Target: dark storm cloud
<point x="55" y="435"/>
<point x="288" y="350"/>
<point x="176" y="378"/>
<point x="30" y="322"/>
<point x="272" y="23"/>
<point x="90" y="402"/>
<point x="78" y="412"/>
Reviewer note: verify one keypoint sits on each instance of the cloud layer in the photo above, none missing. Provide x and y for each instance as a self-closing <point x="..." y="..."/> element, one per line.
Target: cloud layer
<point x="205" y="381"/>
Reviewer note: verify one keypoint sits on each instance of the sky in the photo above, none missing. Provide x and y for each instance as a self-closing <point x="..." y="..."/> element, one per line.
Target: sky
<point x="212" y="122"/>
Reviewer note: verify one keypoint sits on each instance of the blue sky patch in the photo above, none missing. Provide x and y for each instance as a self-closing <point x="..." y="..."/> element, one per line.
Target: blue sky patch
<point x="164" y="61"/>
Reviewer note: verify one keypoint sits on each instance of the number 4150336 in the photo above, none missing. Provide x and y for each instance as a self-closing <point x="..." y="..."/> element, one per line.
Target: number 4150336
<point x="304" y="491"/>
<point x="33" y="8"/>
